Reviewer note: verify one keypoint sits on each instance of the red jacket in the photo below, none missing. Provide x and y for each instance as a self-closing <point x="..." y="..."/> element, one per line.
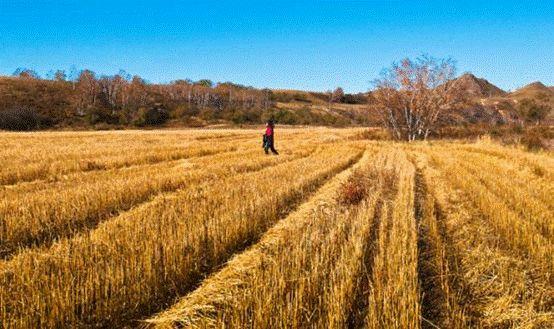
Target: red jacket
<point x="269" y="131"/>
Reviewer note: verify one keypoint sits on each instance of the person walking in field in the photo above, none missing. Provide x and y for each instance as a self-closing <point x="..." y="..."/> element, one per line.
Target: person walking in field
<point x="269" y="138"/>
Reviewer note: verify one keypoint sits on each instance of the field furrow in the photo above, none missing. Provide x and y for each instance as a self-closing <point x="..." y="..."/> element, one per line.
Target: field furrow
<point x="439" y="295"/>
<point x="534" y="181"/>
<point x="82" y="202"/>
<point x="53" y="168"/>
<point x="103" y="151"/>
<point x="394" y="295"/>
<point x="529" y="207"/>
<point x="305" y="271"/>
<point x="540" y="164"/>
<point x="518" y="235"/>
<point x="135" y="263"/>
<point x="494" y="287"/>
<point x="521" y="190"/>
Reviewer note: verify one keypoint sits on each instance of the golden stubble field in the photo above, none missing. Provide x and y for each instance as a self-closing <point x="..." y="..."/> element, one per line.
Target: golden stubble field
<point x="201" y="229"/>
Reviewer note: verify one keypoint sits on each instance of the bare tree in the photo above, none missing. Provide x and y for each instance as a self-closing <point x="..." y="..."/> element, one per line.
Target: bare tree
<point x="338" y="95"/>
<point x="111" y="89"/>
<point x="26" y="73"/>
<point x="60" y="75"/>
<point x="87" y="87"/>
<point x="411" y="96"/>
<point x="329" y="94"/>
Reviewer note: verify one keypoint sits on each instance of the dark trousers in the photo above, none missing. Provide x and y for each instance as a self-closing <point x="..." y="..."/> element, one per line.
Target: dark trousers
<point x="269" y="145"/>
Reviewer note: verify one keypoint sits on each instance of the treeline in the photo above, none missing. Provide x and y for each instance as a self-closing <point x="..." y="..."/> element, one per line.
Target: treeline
<point x="28" y="102"/>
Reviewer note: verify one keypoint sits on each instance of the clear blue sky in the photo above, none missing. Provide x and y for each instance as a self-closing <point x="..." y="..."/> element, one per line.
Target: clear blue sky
<point x="311" y="45"/>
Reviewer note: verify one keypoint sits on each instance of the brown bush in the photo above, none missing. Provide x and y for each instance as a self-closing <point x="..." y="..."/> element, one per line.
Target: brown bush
<point x="532" y="141"/>
<point x="355" y="189"/>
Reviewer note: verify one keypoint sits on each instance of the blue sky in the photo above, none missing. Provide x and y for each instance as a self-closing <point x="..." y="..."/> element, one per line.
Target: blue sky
<point x="310" y="45"/>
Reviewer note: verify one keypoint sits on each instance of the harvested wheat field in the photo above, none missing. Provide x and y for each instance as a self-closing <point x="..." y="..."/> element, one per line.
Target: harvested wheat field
<point x="201" y="229"/>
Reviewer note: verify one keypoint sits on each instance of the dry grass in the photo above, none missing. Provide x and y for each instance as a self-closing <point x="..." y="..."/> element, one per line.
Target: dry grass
<point x="394" y="294"/>
<point x="285" y="278"/>
<point x="497" y="277"/>
<point x="105" y="229"/>
<point x="82" y="201"/>
<point x="129" y="261"/>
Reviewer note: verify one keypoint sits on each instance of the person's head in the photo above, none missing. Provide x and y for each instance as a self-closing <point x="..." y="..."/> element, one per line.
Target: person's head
<point x="270" y="123"/>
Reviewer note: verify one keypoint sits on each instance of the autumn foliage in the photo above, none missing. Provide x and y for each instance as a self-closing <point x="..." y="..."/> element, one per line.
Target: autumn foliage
<point x="83" y="99"/>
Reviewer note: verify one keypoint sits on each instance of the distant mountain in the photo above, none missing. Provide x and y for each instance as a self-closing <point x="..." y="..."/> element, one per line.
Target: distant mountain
<point x="533" y="90"/>
<point x="493" y="105"/>
<point x="536" y="85"/>
<point x="478" y="87"/>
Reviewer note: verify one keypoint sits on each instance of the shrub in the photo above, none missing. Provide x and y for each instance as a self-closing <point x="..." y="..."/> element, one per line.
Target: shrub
<point x="184" y="111"/>
<point x="355" y="189"/>
<point x="299" y="97"/>
<point x="97" y="115"/>
<point x="359" y="98"/>
<point x="208" y="114"/>
<point x="532" y="141"/>
<point x="544" y="131"/>
<point x="532" y="111"/>
<point x="106" y="126"/>
<point x="518" y="129"/>
<point x="286" y="117"/>
<point x="150" y="117"/>
<point x="22" y="119"/>
<point x="245" y="116"/>
<point x="286" y="97"/>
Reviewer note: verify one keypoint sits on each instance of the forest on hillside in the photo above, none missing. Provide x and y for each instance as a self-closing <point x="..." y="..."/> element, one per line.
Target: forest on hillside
<point x="84" y="100"/>
<point x="28" y="102"/>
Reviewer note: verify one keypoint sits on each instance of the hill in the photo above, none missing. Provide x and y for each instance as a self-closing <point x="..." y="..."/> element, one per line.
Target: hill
<point x="536" y="90"/>
<point x="538" y="93"/>
<point x="346" y="109"/>
<point x="490" y="104"/>
<point x="478" y="87"/>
